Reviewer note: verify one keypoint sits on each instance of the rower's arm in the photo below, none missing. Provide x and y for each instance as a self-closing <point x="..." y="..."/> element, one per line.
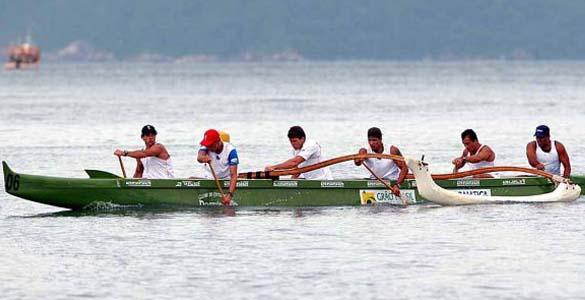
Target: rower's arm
<point x="401" y="164"/>
<point x="155" y="150"/>
<point x="289" y="164"/>
<point x="564" y="158"/>
<point x="358" y="162"/>
<point x="531" y="154"/>
<point x="233" y="178"/>
<point x="459" y="162"/>
<point x="203" y="156"/>
<point x="139" y="169"/>
<point x="483" y="155"/>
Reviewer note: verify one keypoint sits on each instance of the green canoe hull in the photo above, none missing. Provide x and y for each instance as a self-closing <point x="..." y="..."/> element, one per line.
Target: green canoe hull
<point x="104" y="192"/>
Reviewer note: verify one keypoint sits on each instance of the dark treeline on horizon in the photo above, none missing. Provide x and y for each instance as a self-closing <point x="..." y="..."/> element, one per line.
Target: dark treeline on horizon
<point x="317" y="29"/>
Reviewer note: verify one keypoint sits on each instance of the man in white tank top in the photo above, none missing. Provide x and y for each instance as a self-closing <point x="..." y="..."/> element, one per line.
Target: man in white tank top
<point x="475" y="155"/>
<point x="546" y="155"/>
<point x="305" y="153"/>
<point x="223" y="157"/>
<point x="154" y="161"/>
<point x="384" y="168"/>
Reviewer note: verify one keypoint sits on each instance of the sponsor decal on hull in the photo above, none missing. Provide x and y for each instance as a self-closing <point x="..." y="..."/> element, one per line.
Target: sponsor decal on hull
<point x="514" y="182"/>
<point x="138" y="183"/>
<point x="375" y="184"/>
<point x="212" y="199"/>
<point x="238" y="183"/>
<point x="188" y="183"/>
<point x="332" y="184"/>
<point x="468" y="182"/>
<point x="385" y="196"/>
<point x="291" y="183"/>
<point x="475" y="192"/>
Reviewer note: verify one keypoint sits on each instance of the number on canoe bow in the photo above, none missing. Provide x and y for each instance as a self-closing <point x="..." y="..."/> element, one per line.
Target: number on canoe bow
<point x="12" y="182"/>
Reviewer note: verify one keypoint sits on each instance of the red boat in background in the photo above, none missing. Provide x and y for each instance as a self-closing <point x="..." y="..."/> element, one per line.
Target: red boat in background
<point x="23" y="56"/>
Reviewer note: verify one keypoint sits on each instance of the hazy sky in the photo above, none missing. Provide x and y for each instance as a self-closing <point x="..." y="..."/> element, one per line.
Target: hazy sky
<point x="324" y="29"/>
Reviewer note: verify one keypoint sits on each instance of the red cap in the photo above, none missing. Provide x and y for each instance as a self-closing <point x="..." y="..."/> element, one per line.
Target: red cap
<point x="209" y="137"/>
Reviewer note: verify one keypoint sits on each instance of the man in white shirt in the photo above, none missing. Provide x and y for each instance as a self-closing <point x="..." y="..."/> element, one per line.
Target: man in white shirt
<point x="475" y="155"/>
<point x="223" y="157"/>
<point x="305" y="153"/>
<point x="384" y="168"/>
<point x="154" y="161"/>
<point x="546" y="155"/>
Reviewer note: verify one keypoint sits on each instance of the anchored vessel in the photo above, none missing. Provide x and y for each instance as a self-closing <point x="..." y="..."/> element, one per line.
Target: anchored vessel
<point x="23" y="55"/>
<point x="104" y="188"/>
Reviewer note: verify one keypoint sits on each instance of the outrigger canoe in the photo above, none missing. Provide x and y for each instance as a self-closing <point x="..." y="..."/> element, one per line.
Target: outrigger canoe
<point x="106" y="190"/>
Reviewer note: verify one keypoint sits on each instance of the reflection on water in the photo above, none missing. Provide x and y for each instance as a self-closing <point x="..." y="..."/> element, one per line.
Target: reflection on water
<point x="213" y="211"/>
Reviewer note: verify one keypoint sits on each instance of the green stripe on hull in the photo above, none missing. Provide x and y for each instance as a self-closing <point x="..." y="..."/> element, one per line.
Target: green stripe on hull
<point x="77" y="194"/>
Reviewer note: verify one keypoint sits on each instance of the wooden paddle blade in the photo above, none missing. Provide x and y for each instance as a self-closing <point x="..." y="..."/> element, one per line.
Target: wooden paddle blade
<point x="97" y="174"/>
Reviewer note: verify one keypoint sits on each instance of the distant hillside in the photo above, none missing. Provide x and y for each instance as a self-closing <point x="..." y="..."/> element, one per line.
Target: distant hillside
<point x="315" y="29"/>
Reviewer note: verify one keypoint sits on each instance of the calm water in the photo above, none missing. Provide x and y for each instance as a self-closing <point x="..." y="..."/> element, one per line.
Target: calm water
<point x="66" y="118"/>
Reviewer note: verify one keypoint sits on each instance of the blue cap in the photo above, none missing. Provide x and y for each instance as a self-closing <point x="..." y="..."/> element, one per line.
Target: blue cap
<point x="542" y="131"/>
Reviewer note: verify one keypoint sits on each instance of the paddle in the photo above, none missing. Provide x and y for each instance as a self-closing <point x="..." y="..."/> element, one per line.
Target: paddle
<point x="217" y="183"/>
<point x="495" y="169"/>
<point x="274" y="174"/>
<point x="122" y="166"/>
<point x="326" y="163"/>
<point x="455" y="170"/>
<point x="402" y="198"/>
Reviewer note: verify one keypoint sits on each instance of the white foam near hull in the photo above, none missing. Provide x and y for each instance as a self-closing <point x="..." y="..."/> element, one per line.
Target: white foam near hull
<point x="428" y="189"/>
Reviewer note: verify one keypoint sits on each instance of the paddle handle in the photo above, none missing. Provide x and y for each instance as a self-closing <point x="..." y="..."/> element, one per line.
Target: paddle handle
<point x="122" y="166"/>
<point x="404" y="201"/>
<point x="376" y="176"/>
<point x="296" y="171"/>
<point x="216" y="180"/>
<point x="274" y="174"/>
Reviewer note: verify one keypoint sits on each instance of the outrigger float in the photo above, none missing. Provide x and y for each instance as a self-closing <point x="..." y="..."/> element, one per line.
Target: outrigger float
<point x="564" y="191"/>
<point x="107" y="190"/>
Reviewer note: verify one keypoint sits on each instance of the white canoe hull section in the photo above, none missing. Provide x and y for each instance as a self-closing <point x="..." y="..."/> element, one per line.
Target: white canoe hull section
<point x="428" y="189"/>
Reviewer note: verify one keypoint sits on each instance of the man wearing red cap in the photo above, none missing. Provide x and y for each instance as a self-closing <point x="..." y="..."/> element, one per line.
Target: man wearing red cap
<point x="223" y="157"/>
<point x="546" y="155"/>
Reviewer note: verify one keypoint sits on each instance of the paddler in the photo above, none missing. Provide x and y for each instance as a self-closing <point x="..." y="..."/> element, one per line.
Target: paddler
<point x="475" y="155"/>
<point x="383" y="168"/>
<point x="152" y="162"/>
<point x="305" y="153"/>
<point x="223" y="157"/>
<point x="542" y="155"/>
